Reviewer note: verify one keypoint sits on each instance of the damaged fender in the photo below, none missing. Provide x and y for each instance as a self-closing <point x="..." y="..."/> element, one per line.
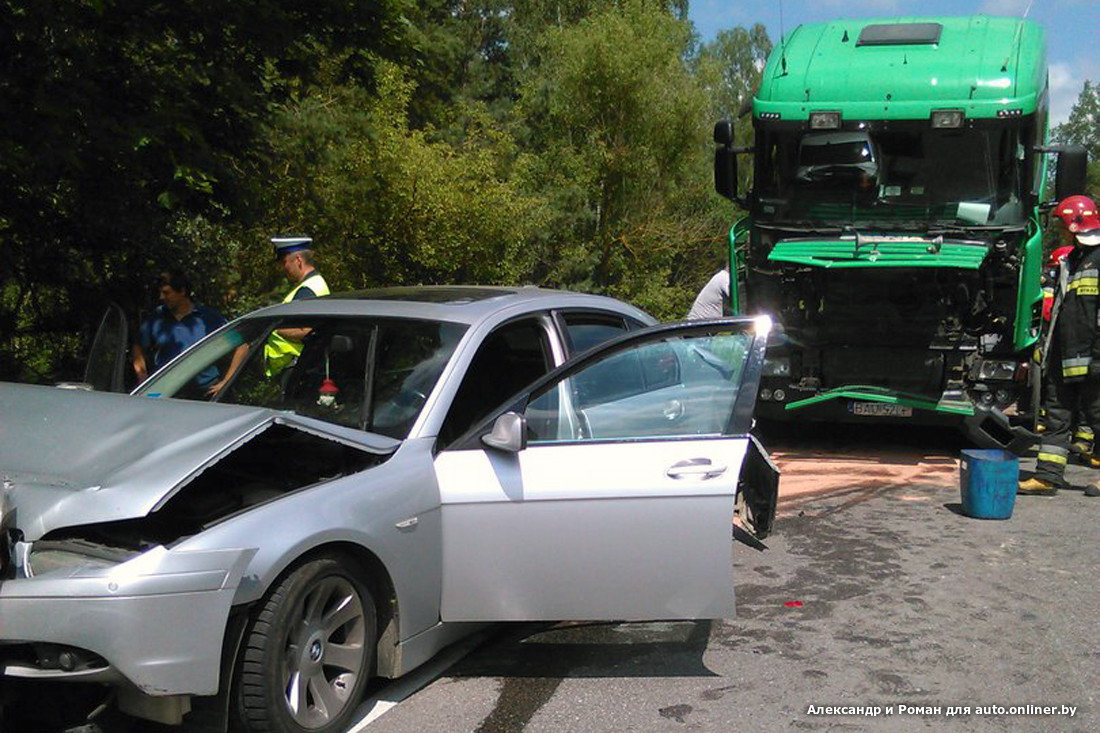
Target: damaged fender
<point x="160" y="617"/>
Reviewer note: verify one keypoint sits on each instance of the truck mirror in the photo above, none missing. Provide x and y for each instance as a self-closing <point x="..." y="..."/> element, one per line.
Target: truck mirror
<point x="725" y="172"/>
<point x="725" y="160"/>
<point x="1072" y="171"/>
<point x="723" y="132"/>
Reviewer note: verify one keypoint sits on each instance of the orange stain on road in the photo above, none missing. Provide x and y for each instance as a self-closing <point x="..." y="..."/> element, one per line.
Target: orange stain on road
<point x="806" y="474"/>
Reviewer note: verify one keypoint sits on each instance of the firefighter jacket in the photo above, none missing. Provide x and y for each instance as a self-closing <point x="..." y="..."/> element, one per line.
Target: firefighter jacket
<point x="1075" y="346"/>
<point x="1049" y="280"/>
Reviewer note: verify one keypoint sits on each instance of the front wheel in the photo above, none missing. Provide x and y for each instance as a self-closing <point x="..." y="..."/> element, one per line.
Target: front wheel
<point x="309" y="650"/>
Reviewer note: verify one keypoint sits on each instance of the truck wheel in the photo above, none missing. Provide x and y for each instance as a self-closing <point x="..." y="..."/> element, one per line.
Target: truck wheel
<point x="309" y="650"/>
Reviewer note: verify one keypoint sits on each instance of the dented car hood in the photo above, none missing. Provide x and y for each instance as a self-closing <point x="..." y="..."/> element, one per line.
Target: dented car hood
<point x="72" y="457"/>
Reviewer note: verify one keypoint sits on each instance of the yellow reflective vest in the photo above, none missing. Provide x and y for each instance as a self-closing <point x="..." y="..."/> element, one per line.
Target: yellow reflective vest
<point x="280" y="352"/>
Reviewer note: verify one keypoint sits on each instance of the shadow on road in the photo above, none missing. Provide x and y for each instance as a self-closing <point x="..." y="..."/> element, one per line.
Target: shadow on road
<point x="534" y="659"/>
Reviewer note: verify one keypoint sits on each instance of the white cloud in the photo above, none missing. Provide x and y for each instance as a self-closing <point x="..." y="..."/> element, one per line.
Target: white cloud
<point x="1065" y="87"/>
<point x="1013" y="8"/>
<point x="866" y="7"/>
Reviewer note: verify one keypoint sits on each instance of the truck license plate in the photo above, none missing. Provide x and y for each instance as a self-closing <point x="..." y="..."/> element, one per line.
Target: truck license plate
<point x="880" y="409"/>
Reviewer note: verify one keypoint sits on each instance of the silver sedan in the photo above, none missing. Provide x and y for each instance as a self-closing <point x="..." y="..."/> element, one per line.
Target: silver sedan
<point x="427" y="460"/>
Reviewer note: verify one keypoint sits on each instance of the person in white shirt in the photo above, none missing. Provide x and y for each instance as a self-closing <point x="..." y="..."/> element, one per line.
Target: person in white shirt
<point x="711" y="300"/>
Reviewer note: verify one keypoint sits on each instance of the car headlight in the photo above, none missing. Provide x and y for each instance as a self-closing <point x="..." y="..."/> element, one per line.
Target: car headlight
<point x="779" y="366"/>
<point x="991" y="369"/>
<point x="43" y="557"/>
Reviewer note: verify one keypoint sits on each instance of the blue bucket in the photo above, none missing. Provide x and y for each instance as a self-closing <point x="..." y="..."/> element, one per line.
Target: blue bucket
<point x="988" y="480"/>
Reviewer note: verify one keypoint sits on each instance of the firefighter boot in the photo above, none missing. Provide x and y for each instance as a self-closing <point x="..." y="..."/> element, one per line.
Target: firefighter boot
<point x="1037" y="487"/>
<point x="1084" y="445"/>
<point x="1092" y="490"/>
<point x="1090" y="460"/>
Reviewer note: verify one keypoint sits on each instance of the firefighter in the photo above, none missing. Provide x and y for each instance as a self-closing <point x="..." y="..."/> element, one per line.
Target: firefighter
<point x="1071" y="350"/>
<point x="1050" y="278"/>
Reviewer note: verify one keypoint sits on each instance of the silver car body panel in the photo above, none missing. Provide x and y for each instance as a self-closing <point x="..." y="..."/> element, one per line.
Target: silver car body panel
<point x="566" y="526"/>
<point x="358" y="511"/>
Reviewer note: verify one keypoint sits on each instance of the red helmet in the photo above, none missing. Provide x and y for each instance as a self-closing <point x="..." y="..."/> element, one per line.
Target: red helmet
<point x="1080" y="217"/>
<point x="1059" y="254"/>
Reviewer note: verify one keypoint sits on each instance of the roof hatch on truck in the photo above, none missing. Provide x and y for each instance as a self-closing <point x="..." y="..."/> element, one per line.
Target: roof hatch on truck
<point x="900" y="34"/>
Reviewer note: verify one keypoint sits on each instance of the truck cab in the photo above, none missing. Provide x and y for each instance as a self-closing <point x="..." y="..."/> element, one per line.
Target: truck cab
<point x="893" y="225"/>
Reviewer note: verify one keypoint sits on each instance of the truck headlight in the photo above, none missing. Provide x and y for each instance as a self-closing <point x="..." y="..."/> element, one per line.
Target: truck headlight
<point x="992" y="369"/>
<point x="947" y="119"/>
<point x="825" y="120"/>
<point x="778" y="366"/>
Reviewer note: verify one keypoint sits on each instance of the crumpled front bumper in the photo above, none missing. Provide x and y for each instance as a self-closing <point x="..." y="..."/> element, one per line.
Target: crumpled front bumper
<point x="158" y="620"/>
<point x="988" y="427"/>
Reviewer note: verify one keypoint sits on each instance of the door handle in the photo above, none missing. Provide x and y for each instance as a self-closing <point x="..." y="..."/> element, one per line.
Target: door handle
<point x="695" y="467"/>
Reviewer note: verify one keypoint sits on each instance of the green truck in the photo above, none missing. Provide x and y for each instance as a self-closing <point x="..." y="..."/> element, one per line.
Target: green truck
<point x="893" y="222"/>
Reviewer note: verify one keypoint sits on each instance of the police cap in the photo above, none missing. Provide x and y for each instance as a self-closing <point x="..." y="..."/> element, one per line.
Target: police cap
<point x="287" y="243"/>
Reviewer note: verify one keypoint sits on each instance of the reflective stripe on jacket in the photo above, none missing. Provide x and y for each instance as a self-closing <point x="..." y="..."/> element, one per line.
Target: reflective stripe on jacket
<point x="1075" y="332"/>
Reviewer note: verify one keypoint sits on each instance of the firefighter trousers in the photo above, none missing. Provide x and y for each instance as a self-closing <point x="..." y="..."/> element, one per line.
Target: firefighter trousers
<point x="1068" y="407"/>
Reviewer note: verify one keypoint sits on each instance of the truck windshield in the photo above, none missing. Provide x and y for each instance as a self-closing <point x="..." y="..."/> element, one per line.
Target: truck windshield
<point x="911" y="177"/>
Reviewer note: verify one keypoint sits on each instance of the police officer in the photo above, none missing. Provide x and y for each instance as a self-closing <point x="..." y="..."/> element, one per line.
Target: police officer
<point x="1071" y="355"/>
<point x="294" y="254"/>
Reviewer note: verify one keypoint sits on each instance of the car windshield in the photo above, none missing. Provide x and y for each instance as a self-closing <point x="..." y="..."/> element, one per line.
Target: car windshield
<point x="909" y="176"/>
<point x="374" y="374"/>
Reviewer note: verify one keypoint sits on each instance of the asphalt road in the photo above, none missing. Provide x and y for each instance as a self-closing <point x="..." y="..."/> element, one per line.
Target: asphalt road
<point x="876" y="597"/>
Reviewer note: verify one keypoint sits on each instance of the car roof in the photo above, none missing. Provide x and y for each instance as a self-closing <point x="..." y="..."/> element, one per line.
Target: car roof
<point x="466" y="304"/>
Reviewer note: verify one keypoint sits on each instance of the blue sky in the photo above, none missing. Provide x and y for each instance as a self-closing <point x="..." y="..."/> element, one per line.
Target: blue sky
<point x="1072" y="28"/>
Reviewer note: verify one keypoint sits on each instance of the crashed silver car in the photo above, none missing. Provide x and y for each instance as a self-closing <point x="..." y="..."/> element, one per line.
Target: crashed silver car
<point x="434" y="458"/>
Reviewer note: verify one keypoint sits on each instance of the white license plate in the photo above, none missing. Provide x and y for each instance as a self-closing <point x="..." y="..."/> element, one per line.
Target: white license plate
<point x="880" y="409"/>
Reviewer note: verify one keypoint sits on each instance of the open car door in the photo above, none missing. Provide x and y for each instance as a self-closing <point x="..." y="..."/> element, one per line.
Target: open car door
<point x="105" y="370"/>
<point x="607" y="490"/>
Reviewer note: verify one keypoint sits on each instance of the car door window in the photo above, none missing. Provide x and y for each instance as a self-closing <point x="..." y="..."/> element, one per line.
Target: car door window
<point x="676" y="386"/>
<point x="409" y="356"/>
<point x="584" y="330"/>
<point x="330" y="379"/>
<point x="510" y="358"/>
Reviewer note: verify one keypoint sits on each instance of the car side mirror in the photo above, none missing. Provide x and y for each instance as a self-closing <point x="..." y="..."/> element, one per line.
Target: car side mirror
<point x="509" y="433"/>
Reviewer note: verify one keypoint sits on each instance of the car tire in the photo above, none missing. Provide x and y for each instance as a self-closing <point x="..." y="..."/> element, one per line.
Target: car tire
<point x="308" y="650"/>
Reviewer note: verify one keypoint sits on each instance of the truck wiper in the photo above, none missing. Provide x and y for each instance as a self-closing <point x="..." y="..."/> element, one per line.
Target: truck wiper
<point x="952" y="228"/>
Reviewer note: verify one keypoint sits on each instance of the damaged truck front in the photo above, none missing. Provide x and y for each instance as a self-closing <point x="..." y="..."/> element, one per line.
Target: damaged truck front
<point x="893" y="225"/>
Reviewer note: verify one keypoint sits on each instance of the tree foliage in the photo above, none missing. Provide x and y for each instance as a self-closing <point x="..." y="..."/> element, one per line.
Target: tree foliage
<point x="621" y="136"/>
<point x="125" y="116"/>
<point x="1083" y="128"/>
<point x="558" y="142"/>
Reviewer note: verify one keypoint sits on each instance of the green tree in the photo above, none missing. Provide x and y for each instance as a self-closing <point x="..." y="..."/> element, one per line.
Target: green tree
<point x="126" y="119"/>
<point x="621" y="127"/>
<point x="387" y="205"/>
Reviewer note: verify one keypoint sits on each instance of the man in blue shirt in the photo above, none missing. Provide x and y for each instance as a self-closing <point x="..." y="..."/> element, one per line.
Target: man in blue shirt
<point x="176" y="323"/>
